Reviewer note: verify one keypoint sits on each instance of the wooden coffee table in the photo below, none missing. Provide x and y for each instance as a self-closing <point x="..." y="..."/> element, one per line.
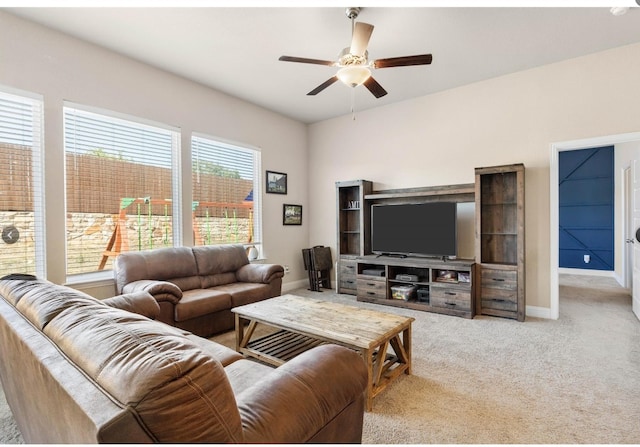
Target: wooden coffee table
<point x="303" y="323"/>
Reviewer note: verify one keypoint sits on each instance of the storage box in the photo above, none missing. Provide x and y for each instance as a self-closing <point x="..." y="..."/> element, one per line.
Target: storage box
<point x="402" y="292"/>
<point x="423" y="295"/>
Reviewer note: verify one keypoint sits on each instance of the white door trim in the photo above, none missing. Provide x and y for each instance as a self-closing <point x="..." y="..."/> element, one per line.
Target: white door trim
<point x="556" y="148"/>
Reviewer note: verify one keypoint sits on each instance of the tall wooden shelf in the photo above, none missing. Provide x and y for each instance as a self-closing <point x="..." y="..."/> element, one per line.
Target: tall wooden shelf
<point x="354" y="224"/>
<point x="499" y="246"/>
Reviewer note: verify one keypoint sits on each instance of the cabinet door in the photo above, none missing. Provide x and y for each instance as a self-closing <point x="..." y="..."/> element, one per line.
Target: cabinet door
<point x="499" y="289"/>
<point x="372" y="287"/>
<point x="450" y="298"/>
<point x="347" y="276"/>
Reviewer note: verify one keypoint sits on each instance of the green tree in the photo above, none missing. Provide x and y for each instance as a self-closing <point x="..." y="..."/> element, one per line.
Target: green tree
<point x="100" y="152"/>
<point x="209" y="167"/>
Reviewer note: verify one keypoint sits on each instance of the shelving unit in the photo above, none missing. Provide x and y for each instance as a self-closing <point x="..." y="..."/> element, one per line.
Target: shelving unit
<point x="354" y="223"/>
<point x="500" y="241"/>
<point x="496" y="277"/>
<point x="446" y="287"/>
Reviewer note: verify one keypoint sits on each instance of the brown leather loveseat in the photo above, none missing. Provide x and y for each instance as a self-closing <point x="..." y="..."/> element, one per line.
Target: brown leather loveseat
<point x="196" y="287"/>
<point x="75" y="369"/>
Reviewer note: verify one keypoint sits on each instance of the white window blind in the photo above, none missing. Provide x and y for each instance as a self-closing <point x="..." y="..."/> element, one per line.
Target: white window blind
<point x="121" y="192"/>
<point x="21" y="185"/>
<point x="226" y="193"/>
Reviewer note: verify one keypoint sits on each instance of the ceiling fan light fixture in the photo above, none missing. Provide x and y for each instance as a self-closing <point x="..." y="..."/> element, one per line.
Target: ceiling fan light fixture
<point x="354" y="75"/>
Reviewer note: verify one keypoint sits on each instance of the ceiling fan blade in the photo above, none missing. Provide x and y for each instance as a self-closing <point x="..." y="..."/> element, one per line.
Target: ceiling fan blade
<point x="305" y="60"/>
<point x="375" y="88"/>
<point x="360" y="39"/>
<point x="422" y="59"/>
<point x="322" y="86"/>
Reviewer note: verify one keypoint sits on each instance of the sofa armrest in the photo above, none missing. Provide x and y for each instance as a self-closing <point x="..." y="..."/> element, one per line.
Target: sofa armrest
<point x="260" y="273"/>
<point x="302" y="396"/>
<point x="160" y="290"/>
<point x="137" y="302"/>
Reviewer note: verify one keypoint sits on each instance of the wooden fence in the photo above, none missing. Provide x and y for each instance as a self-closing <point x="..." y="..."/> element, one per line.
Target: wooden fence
<point x="90" y="192"/>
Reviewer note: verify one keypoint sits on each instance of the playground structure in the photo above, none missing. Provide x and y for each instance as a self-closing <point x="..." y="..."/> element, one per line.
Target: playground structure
<point x="119" y="240"/>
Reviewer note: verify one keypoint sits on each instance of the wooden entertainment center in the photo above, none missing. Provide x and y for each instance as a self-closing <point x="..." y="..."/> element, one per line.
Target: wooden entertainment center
<point x="490" y="284"/>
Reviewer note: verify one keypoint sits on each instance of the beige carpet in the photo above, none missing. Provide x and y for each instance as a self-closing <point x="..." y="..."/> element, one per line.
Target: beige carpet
<point x="497" y="381"/>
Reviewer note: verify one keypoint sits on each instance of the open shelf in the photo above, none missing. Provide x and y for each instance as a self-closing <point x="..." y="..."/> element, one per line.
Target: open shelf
<point x="353" y="230"/>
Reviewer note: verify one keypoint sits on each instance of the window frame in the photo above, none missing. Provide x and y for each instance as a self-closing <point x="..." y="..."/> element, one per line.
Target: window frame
<point x="176" y="176"/>
<point x="37" y="172"/>
<point x="257" y="182"/>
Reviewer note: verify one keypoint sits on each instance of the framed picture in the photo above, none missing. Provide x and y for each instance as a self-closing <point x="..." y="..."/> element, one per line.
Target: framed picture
<point x="291" y="214"/>
<point x="276" y="182"/>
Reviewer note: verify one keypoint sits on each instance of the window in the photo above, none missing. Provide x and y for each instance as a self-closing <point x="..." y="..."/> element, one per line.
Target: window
<point x="226" y="193"/>
<point x="121" y="188"/>
<point x="21" y="198"/>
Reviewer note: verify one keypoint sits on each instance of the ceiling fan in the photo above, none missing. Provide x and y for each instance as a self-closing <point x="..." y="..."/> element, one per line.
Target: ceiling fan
<point x="355" y="68"/>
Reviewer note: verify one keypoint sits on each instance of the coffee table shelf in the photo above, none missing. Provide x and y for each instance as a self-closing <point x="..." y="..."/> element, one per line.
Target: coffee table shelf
<point x="281" y="346"/>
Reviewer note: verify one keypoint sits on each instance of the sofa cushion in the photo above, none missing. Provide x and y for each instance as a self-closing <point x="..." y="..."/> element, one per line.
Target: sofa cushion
<point x="224" y="355"/>
<point x="244" y="373"/>
<point x="176" y="265"/>
<point x="43" y="303"/>
<point x="14" y="289"/>
<point x="217" y="264"/>
<point x="245" y="292"/>
<point x="219" y="279"/>
<point x="198" y="302"/>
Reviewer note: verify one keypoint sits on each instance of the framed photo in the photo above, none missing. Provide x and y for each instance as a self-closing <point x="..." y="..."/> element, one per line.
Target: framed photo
<point x="276" y="182"/>
<point x="291" y="214"/>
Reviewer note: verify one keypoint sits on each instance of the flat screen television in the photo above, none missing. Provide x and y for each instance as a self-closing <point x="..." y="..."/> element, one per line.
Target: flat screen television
<point x="417" y="229"/>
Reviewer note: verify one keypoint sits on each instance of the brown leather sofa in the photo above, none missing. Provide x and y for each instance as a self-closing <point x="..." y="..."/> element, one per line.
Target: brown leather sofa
<point x="79" y="370"/>
<point x="196" y="287"/>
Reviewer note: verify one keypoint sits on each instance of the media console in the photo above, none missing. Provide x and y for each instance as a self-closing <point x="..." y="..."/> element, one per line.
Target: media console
<point x="434" y="285"/>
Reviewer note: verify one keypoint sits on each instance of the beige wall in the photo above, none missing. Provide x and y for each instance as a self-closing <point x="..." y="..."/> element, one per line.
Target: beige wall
<point x="439" y="139"/>
<point x="61" y="68"/>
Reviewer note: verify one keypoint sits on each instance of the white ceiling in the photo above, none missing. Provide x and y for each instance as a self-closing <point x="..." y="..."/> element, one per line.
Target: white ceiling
<point x="235" y="49"/>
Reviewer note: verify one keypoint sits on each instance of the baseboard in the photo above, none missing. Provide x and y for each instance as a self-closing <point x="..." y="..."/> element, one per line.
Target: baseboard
<point x="586" y="272"/>
<point x="599" y="273"/>
<point x="289" y="286"/>
<point x="539" y="312"/>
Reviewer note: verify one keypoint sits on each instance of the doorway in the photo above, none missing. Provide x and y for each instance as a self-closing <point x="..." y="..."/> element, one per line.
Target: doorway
<point x="556" y="148"/>
<point x="586" y="210"/>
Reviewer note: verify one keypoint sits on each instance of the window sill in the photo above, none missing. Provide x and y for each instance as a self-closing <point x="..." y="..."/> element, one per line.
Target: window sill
<point x="95" y="279"/>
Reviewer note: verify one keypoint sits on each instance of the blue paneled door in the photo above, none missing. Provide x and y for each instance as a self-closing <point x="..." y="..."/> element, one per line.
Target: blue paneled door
<point x="587" y="208"/>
